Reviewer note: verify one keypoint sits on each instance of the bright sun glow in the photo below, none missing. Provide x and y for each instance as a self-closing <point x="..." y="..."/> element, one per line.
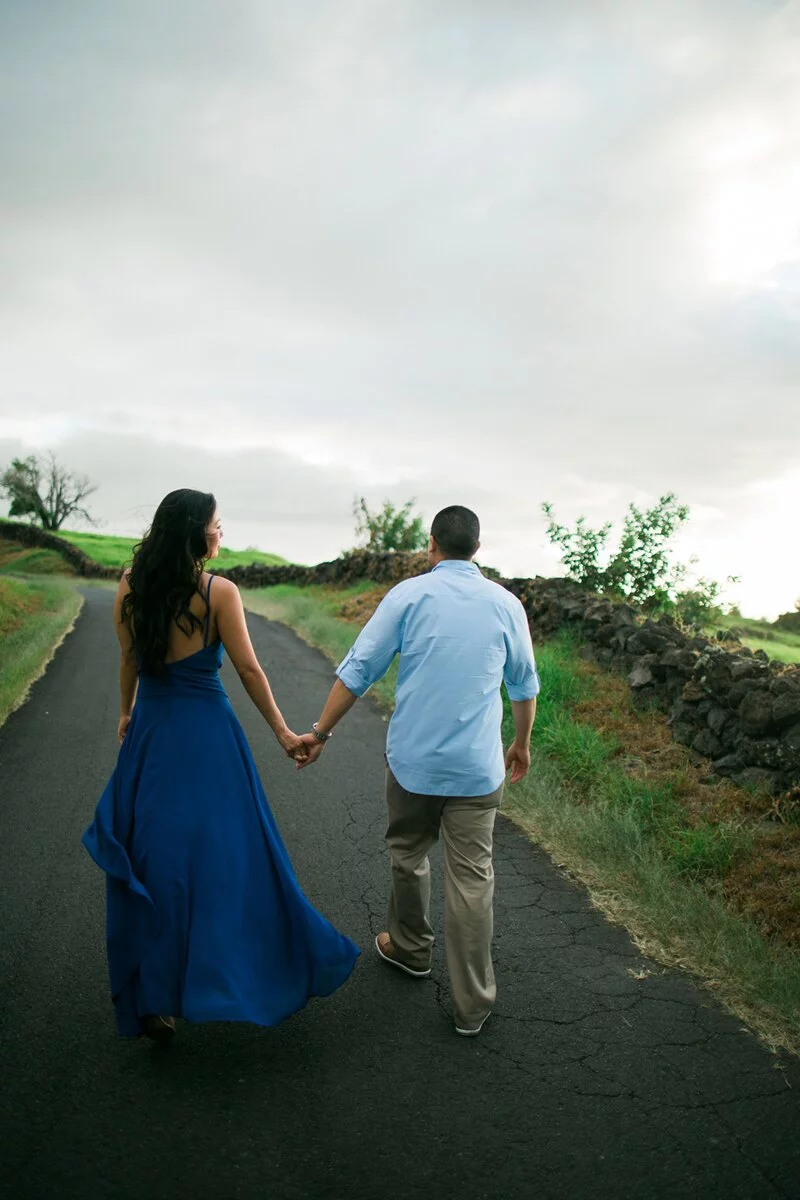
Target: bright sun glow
<point x="753" y="231"/>
<point x="753" y="207"/>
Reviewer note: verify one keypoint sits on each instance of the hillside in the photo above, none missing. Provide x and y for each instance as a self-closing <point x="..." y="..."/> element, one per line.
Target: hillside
<point x="111" y="550"/>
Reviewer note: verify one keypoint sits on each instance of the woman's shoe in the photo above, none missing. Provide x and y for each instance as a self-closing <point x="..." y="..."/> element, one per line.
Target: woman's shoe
<point x="159" y="1029"/>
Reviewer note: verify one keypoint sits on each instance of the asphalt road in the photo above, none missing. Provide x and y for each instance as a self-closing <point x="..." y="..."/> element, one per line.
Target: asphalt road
<point x="586" y="1082"/>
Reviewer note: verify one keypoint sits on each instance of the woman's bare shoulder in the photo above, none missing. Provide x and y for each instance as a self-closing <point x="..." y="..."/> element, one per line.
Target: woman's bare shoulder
<point x="222" y="587"/>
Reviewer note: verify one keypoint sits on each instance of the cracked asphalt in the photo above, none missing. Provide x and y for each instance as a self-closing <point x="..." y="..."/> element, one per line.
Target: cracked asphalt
<point x="599" y="1075"/>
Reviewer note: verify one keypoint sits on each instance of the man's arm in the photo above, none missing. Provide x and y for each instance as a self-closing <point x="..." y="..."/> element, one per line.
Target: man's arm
<point x="522" y="684"/>
<point x="518" y="755"/>
<point x="340" y="701"/>
<point x="366" y="661"/>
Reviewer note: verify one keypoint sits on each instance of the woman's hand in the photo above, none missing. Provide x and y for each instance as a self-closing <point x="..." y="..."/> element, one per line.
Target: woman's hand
<point x="122" y="728"/>
<point x="313" y="747"/>
<point x="294" y="746"/>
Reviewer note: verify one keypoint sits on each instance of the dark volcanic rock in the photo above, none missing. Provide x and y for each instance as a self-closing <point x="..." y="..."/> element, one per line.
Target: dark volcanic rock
<point x="786" y="709"/>
<point x="708" y="744"/>
<point x="755" y="712"/>
<point x="717" y="718"/>
<point x="729" y="764"/>
<point x="763" y="752"/>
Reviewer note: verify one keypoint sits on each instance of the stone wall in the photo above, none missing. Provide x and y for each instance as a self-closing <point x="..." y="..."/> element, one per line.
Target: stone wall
<point x="350" y="568"/>
<point x="32" y="535"/>
<point x="732" y="706"/>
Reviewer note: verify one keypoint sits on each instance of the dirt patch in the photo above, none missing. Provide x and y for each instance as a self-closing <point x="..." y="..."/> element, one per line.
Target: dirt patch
<point x="360" y="608"/>
<point x="646" y="748"/>
<point x="766" y="886"/>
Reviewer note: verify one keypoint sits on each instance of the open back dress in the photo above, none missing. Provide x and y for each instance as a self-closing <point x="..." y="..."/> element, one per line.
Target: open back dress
<point x="205" y="918"/>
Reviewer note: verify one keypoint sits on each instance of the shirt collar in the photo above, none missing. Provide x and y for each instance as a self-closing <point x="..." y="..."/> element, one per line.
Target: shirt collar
<point x="457" y="564"/>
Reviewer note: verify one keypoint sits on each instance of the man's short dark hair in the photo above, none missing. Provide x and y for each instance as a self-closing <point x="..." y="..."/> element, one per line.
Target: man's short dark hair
<point x="457" y="531"/>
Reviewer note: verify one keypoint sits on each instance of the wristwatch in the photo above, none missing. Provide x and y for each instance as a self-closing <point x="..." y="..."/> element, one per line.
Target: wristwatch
<point x="319" y="735"/>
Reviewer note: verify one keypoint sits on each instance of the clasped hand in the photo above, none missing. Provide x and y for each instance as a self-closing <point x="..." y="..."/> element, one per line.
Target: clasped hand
<point x="303" y="748"/>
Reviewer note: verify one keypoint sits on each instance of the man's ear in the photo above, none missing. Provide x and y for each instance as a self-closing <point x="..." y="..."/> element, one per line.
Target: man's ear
<point x="432" y="545"/>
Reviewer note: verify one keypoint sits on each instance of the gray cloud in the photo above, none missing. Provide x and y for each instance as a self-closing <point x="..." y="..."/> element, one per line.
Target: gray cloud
<point x="406" y="247"/>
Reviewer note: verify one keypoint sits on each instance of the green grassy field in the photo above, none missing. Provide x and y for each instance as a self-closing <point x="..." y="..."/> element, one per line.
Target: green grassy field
<point x="112" y="551"/>
<point x="648" y="860"/>
<point x="35" y="615"/>
<point x="779" y="644"/>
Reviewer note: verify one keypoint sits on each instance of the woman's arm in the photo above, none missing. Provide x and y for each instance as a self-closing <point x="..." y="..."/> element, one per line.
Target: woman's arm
<point x="128" y="673"/>
<point x="232" y="629"/>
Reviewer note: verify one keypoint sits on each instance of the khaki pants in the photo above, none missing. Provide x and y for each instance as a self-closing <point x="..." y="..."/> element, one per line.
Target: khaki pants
<point x="466" y="824"/>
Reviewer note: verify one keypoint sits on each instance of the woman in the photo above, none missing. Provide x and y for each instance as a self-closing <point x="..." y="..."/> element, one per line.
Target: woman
<point x="205" y="917"/>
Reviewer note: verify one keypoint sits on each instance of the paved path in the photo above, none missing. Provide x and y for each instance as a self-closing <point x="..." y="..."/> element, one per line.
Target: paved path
<point x="586" y="1082"/>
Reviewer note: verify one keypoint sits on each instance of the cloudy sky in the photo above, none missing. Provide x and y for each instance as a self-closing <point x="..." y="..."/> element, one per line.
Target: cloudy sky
<point x="490" y="253"/>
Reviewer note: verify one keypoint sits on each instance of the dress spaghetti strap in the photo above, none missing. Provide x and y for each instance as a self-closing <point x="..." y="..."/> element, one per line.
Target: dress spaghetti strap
<point x="207" y="626"/>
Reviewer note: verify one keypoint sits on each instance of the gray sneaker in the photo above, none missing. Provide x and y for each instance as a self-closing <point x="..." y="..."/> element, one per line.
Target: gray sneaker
<point x="385" y="950"/>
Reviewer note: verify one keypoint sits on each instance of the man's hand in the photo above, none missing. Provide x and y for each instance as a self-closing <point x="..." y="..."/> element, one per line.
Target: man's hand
<point x="313" y="748"/>
<point x="518" y="761"/>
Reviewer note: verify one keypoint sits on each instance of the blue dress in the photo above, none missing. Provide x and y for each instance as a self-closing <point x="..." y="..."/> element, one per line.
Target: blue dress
<point x="205" y="918"/>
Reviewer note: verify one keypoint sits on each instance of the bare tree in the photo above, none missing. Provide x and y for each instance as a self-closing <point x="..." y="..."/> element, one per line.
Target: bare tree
<point x="43" y="489"/>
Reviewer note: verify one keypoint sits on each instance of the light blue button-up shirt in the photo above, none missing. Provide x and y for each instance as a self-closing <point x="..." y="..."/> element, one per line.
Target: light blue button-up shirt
<point x="459" y="636"/>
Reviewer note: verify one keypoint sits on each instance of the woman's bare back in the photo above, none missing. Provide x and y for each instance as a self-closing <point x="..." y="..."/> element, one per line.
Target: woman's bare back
<point x="181" y="646"/>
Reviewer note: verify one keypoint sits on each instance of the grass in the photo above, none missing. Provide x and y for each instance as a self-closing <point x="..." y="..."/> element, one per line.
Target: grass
<point x="35" y="616"/>
<point x="314" y="613"/>
<point x="24" y="560"/>
<point x="780" y="644"/>
<point x="111" y="551"/>
<point x="687" y="865"/>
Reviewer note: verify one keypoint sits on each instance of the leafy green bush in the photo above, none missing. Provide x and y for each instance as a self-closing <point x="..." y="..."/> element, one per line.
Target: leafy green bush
<point x="390" y="528"/>
<point x="640" y="570"/>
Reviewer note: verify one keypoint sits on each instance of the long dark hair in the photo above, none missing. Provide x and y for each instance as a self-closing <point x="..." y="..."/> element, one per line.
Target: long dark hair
<point x="165" y="574"/>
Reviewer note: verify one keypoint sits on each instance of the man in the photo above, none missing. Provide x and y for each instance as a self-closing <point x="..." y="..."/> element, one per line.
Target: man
<point x="459" y="636"/>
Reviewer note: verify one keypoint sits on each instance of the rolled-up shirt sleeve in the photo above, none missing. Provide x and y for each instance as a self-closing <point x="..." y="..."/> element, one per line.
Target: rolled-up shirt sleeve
<point x="370" y="656"/>
<point x="520" y="675"/>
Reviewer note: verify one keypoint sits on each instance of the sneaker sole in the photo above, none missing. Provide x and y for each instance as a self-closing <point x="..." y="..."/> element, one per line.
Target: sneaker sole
<point x="472" y="1032"/>
<point x="401" y="966"/>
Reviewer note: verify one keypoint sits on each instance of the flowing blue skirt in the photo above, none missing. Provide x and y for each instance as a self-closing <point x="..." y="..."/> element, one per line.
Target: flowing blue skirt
<point x="205" y="918"/>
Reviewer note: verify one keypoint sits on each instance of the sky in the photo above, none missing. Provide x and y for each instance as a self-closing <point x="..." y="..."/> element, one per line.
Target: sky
<point x="492" y="254"/>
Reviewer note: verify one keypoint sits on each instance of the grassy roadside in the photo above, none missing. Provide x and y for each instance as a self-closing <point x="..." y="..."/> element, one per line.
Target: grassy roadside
<point x="314" y="613"/>
<point x="661" y="848"/>
<point x="35" y="616"/>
